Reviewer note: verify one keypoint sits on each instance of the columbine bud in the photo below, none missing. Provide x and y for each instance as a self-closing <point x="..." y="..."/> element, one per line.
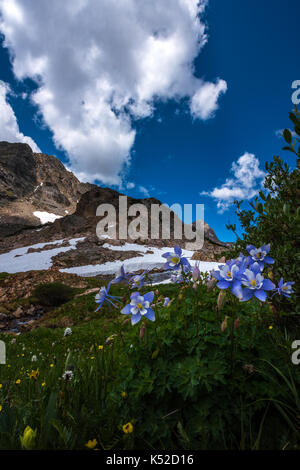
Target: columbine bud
<point x="224" y="324"/>
<point x="142" y="331"/>
<point x="156" y="292"/>
<point x="125" y="321"/>
<point x="196" y="273"/>
<point x="237" y="323"/>
<point x="211" y="284"/>
<point x="221" y="300"/>
<point x="270" y="275"/>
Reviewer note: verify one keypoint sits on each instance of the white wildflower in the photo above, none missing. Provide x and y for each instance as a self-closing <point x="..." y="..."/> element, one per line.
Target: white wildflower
<point x="67" y="332"/>
<point x="67" y="375"/>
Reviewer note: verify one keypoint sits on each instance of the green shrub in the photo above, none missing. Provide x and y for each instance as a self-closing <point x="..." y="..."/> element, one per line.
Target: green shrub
<point x="191" y="385"/>
<point x="53" y="294"/>
<point x="274" y="217"/>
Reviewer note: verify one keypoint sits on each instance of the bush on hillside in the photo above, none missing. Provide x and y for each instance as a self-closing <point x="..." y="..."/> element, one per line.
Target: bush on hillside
<point x="53" y="294"/>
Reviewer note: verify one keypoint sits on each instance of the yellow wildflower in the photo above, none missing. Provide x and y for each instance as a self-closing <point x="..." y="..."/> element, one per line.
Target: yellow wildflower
<point x="91" y="444"/>
<point x="100" y="347"/>
<point x="0" y="408"/>
<point x="43" y="384"/>
<point x="34" y="374"/>
<point x="124" y="394"/>
<point x="127" y="428"/>
<point x="18" y="381"/>
<point x="270" y="327"/>
<point x="1" y="385"/>
<point x="28" y="438"/>
<point x="51" y="365"/>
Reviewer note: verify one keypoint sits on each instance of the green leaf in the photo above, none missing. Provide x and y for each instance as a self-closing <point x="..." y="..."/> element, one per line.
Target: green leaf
<point x="155" y="353"/>
<point x="287" y="136"/>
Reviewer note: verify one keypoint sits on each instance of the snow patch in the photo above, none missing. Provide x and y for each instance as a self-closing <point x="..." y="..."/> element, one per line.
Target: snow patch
<point x="19" y="260"/>
<point x="46" y="216"/>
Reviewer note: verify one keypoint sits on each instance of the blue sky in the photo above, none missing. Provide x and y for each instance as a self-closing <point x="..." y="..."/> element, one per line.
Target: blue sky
<point x="174" y="154"/>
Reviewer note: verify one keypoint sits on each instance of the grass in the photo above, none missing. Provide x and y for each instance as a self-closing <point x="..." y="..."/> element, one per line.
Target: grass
<point x="177" y="385"/>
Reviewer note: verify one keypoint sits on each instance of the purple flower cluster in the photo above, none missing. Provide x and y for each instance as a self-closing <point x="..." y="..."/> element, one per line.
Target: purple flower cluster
<point x="244" y="276"/>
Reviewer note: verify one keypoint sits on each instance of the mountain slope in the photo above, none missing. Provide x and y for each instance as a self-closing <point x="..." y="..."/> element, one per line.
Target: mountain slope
<point x="34" y="188"/>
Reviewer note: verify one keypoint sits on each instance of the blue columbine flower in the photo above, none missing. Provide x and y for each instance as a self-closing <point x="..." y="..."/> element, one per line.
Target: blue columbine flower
<point x="103" y="296"/>
<point x="136" y="282"/>
<point x="176" y="277"/>
<point x="122" y="277"/>
<point x="139" y="307"/>
<point x="176" y="260"/>
<point x="285" y="288"/>
<point x="255" y="284"/>
<point x="229" y="275"/>
<point x="259" y="255"/>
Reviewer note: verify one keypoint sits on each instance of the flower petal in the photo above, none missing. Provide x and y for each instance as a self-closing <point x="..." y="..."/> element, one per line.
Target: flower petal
<point x="266" y="248"/>
<point x="237" y="290"/>
<point x="177" y="250"/>
<point x="150" y="314"/>
<point x="268" y="285"/>
<point x="135" y="318"/>
<point x="260" y="295"/>
<point x="223" y="284"/>
<point x="126" y="309"/>
<point x="149" y="297"/>
<point x="216" y="275"/>
<point x="247" y="294"/>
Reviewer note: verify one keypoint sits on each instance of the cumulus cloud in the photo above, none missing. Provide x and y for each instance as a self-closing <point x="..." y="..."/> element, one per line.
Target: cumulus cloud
<point x="101" y="65"/>
<point x="9" y="128"/>
<point x="204" y="103"/>
<point x="245" y="183"/>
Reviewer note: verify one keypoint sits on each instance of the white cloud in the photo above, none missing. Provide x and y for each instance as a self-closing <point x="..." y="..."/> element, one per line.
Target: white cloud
<point x="9" y="129"/>
<point x="130" y="185"/>
<point x="246" y="182"/>
<point x="144" y="191"/>
<point x="101" y="64"/>
<point x="204" y="103"/>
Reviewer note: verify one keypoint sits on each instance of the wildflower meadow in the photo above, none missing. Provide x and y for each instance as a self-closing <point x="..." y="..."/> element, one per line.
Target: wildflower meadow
<point x="201" y="363"/>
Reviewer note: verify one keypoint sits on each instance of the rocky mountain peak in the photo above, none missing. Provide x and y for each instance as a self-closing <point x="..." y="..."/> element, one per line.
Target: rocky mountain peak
<point x="33" y="185"/>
